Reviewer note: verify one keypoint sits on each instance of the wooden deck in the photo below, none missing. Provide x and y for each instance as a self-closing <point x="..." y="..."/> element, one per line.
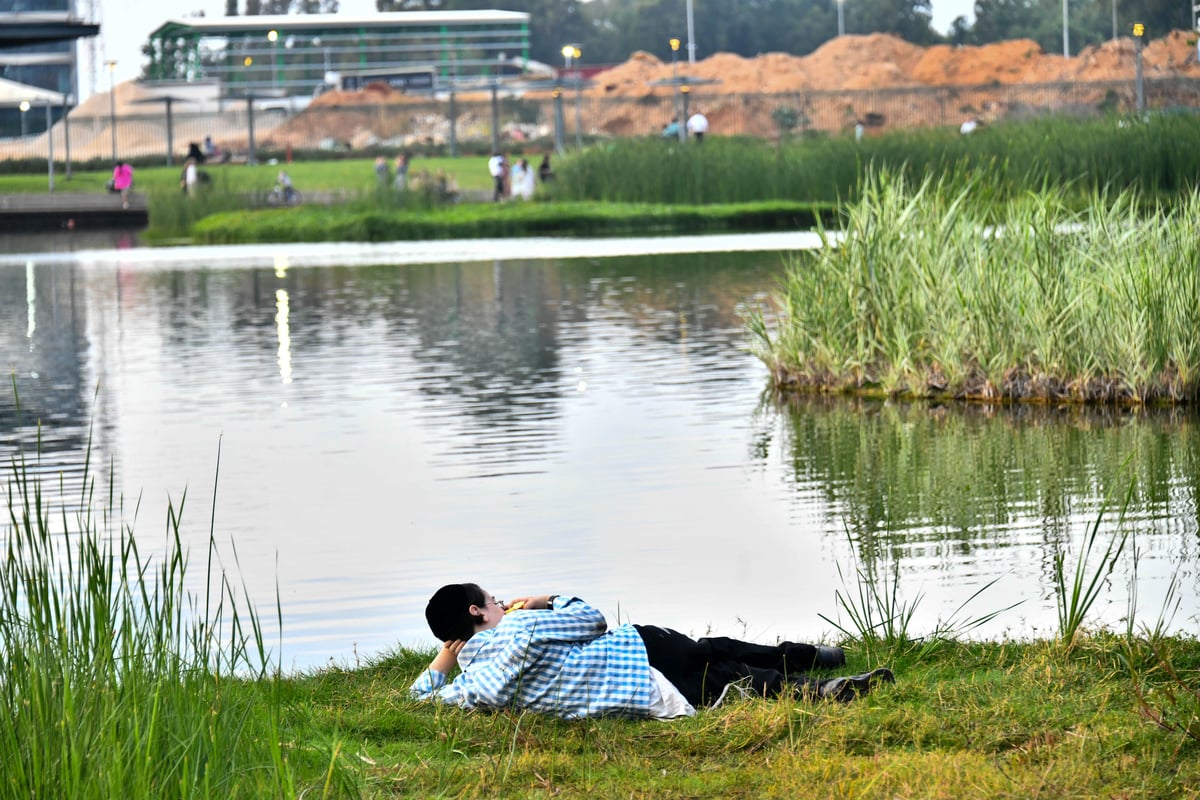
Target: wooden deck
<point x="70" y="211"/>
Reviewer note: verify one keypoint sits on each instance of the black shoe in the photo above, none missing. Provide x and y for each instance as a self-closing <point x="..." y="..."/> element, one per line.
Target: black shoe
<point x="846" y="689"/>
<point x="829" y="658"/>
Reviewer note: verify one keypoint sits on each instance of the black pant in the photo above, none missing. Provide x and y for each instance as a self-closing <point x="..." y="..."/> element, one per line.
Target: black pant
<point x="702" y="668"/>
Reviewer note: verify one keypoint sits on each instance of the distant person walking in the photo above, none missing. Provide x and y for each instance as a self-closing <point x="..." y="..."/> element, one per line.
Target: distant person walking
<point x="697" y="126"/>
<point x="190" y="181"/>
<point x="381" y="171"/>
<point x="400" y="182"/>
<point x="522" y="180"/>
<point x="498" y="168"/>
<point x="122" y="181"/>
<point x="545" y="171"/>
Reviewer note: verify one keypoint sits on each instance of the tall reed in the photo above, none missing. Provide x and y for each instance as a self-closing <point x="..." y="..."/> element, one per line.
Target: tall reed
<point x="931" y="292"/>
<point x="1158" y="155"/>
<point x="115" y="680"/>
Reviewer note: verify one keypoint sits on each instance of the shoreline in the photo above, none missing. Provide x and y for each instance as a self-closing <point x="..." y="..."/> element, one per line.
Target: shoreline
<point x="404" y="252"/>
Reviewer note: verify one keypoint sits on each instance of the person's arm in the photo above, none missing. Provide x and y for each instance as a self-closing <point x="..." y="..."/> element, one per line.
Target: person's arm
<point x="434" y="676"/>
<point x="573" y="620"/>
<point x="532" y="603"/>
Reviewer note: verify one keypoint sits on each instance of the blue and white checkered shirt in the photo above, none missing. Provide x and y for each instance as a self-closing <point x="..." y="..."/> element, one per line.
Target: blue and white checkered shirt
<point x="562" y="661"/>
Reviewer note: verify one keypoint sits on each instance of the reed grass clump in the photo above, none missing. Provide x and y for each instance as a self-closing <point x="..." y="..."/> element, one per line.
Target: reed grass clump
<point x="1158" y="155"/>
<point x="115" y="681"/>
<point x="931" y="293"/>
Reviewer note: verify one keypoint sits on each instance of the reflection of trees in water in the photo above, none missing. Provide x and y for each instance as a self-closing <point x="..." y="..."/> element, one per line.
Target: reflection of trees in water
<point x="665" y="297"/>
<point x="935" y="481"/>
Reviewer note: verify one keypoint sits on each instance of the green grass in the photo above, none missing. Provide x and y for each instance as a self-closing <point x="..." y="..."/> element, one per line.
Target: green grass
<point x="116" y="682"/>
<point x="367" y="221"/>
<point x="349" y="176"/>
<point x="934" y="292"/>
<point x="1000" y="719"/>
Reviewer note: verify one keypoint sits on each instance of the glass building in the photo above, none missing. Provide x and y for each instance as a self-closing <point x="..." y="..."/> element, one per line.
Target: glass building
<point x="37" y="48"/>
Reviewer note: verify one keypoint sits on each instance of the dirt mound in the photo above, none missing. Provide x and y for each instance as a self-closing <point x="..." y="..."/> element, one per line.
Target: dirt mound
<point x="739" y="95"/>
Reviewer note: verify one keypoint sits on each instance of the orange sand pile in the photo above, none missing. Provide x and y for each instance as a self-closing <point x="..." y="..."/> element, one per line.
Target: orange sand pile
<point x="739" y="100"/>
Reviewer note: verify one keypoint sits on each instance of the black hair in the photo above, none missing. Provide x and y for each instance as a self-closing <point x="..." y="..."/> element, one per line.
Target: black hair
<point x="448" y="612"/>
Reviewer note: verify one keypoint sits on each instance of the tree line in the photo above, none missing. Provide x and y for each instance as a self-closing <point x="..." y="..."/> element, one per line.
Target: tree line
<point x="607" y="31"/>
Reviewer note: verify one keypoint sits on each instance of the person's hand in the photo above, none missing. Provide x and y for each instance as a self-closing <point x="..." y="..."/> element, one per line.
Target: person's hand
<point x="447" y="657"/>
<point x="540" y="601"/>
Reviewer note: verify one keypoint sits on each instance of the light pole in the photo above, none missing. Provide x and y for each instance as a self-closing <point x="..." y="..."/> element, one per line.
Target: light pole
<point x="1139" y="31"/>
<point x="273" y="38"/>
<point x="1066" y="33"/>
<point x="571" y="53"/>
<point x="316" y="42"/>
<point x="24" y="107"/>
<point x="112" y="105"/>
<point x="691" y="34"/>
<point x="841" y="8"/>
<point x="679" y="120"/>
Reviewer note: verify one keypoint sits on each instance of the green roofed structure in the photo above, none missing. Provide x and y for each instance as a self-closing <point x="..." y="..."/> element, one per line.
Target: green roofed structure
<point x="299" y="54"/>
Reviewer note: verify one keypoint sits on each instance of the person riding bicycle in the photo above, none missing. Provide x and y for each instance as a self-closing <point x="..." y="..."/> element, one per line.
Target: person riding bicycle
<point x="285" y="189"/>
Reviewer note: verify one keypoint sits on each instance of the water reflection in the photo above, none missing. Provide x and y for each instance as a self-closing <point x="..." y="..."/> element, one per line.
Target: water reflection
<point x="589" y="425"/>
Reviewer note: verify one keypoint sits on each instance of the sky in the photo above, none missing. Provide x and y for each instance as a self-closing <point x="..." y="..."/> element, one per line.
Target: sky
<point x="125" y="25"/>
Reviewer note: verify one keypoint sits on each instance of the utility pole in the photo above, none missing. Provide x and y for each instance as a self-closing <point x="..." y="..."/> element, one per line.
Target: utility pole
<point x="691" y="25"/>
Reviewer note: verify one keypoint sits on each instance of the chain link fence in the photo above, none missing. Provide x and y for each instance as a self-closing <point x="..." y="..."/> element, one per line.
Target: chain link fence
<point x="477" y="123"/>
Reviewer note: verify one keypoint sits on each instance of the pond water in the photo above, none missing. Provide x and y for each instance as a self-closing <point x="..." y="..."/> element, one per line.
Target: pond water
<point x="570" y="424"/>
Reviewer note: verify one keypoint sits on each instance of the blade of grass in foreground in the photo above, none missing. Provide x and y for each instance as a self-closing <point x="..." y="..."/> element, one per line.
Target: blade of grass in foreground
<point x="113" y="682"/>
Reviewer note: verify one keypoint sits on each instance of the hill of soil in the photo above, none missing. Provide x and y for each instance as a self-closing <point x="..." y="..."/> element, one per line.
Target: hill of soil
<point x="621" y="101"/>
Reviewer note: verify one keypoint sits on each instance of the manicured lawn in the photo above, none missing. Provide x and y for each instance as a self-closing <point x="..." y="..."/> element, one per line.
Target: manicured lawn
<point x="350" y="176"/>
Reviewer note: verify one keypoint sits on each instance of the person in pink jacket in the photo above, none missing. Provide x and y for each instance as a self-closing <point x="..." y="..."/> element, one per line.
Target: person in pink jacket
<point x="122" y="182"/>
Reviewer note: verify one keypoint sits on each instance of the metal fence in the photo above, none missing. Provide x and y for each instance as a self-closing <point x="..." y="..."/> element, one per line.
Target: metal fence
<point x="476" y="123"/>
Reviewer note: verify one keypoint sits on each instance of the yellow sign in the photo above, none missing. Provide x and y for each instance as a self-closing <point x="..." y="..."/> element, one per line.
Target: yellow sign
<point x="1138" y="29"/>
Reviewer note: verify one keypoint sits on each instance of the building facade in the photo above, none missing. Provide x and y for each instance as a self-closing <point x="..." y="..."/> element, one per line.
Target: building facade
<point x="300" y="54"/>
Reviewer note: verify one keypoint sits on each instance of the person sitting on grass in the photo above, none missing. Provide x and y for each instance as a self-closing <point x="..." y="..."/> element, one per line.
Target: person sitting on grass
<point x="554" y="654"/>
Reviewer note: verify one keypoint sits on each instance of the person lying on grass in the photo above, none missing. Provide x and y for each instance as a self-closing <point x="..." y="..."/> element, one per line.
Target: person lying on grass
<point x="554" y="654"/>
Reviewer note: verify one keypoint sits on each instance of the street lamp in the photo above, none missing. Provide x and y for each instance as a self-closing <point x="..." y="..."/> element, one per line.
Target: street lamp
<point x="273" y="38"/>
<point x="841" y="7"/>
<point x="24" y="107"/>
<point x="680" y="122"/>
<point x="1139" y="32"/>
<point x="571" y="53"/>
<point x="112" y="105"/>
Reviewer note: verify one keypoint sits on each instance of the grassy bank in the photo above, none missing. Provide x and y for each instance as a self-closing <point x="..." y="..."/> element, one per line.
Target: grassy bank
<point x="352" y="176"/>
<point x="118" y="682"/>
<point x="377" y="223"/>
<point x="936" y="292"/>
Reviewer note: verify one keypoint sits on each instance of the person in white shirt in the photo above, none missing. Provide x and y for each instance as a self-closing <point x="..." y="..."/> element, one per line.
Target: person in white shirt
<point x="697" y="126"/>
<point x="498" y="168"/>
<point x="191" y="177"/>
<point x="522" y="180"/>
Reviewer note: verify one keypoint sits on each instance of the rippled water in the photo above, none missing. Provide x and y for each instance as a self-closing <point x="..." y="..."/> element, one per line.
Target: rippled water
<point x="582" y="425"/>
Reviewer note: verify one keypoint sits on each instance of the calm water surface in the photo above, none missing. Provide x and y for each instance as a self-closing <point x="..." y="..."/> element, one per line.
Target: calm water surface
<point x="584" y="425"/>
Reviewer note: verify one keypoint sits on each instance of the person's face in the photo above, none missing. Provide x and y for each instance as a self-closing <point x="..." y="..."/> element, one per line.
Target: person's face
<point x="491" y="611"/>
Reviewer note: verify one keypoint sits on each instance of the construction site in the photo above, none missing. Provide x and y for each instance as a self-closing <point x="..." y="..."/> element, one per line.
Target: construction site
<point x="877" y="80"/>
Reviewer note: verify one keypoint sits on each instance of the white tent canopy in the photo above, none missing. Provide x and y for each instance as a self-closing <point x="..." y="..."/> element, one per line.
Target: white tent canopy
<point x="13" y="93"/>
